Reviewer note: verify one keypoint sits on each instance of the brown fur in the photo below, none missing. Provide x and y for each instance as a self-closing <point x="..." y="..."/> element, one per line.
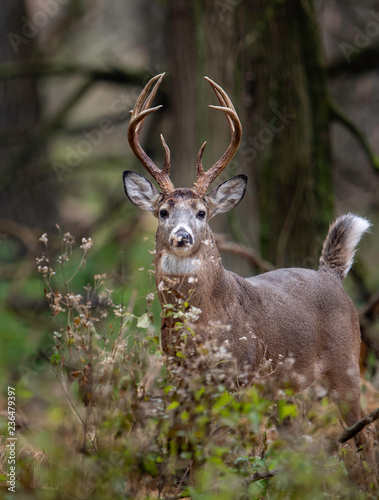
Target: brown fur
<point x="296" y="314"/>
<point x="299" y="321"/>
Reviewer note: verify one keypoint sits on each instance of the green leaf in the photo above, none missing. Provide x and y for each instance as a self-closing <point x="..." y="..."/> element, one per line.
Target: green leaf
<point x="143" y="321"/>
<point x="199" y="393"/>
<point x="286" y="410"/>
<point x="222" y="401"/>
<point x="55" y="358"/>
<point x="173" y="405"/>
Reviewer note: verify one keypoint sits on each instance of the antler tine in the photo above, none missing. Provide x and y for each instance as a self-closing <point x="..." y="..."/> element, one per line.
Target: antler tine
<point x="204" y="179"/>
<point x="139" y="113"/>
<point x="143" y="104"/>
<point x="167" y="160"/>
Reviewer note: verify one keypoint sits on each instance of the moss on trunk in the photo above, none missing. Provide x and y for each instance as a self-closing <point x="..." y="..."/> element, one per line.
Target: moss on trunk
<point x="287" y="144"/>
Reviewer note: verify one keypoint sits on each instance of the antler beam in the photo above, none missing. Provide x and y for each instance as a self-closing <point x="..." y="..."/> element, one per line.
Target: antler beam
<point x="139" y="113"/>
<point x="162" y="176"/>
<point x="204" y="179"/>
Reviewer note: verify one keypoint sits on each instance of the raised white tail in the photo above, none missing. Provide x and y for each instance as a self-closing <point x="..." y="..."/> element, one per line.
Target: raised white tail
<point x="341" y="243"/>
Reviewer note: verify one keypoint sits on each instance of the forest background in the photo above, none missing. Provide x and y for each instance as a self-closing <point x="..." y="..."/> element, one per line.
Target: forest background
<point x="303" y="76"/>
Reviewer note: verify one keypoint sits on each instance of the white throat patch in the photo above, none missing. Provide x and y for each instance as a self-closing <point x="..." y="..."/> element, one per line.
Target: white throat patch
<point x="179" y="266"/>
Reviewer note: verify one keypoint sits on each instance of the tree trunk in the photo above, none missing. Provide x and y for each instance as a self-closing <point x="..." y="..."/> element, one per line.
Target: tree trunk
<point x="198" y="45"/>
<point x="181" y="49"/>
<point x="268" y="59"/>
<point x="202" y="42"/>
<point x="25" y="196"/>
<point x="286" y="140"/>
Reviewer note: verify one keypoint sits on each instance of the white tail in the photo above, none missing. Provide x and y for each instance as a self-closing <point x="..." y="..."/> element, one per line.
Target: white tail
<point x="347" y="230"/>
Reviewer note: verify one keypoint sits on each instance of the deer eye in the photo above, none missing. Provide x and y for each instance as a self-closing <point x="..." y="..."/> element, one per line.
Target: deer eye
<point x="163" y="213"/>
<point x="201" y="214"/>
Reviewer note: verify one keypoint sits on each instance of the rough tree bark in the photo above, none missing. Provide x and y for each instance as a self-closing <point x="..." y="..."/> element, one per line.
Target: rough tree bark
<point x="267" y="56"/>
<point x="202" y="42"/>
<point x="287" y="128"/>
<point x="181" y="50"/>
<point x="25" y="196"/>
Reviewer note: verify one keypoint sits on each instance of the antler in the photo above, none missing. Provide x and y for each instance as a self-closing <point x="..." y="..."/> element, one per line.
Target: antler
<point x="139" y="114"/>
<point x="204" y="179"/>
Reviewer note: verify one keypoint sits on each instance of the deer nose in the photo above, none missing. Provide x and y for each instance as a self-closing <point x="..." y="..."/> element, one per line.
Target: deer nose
<point x="181" y="238"/>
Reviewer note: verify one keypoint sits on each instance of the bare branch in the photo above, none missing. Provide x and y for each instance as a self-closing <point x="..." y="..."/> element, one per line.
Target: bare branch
<point x="40" y="136"/>
<point x="28" y="237"/>
<point x="244" y="252"/>
<point x="259" y="475"/>
<point x="48" y="69"/>
<point x="337" y="114"/>
<point x="368" y="315"/>
<point x="358" y="426"/>
<point x="371" y="310"/>
<point x="362" y="61"/>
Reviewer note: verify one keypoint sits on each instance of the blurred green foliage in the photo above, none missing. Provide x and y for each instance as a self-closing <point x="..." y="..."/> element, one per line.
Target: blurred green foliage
<point x="104" y="414"/>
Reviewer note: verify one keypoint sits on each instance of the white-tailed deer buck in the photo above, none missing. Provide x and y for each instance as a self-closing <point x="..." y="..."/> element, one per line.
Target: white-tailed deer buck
<point x="297" y="314"/>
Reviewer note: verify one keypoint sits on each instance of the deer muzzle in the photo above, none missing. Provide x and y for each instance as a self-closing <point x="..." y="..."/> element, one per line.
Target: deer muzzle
<point x="181" y="238"/>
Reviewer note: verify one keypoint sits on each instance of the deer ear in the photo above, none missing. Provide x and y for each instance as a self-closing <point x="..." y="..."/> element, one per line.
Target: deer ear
<point x="140" y="191"/>
<point x="227" y="195"/>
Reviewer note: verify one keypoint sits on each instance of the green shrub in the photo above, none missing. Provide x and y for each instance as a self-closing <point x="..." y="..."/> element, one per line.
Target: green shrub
<point x="126" y="421"/>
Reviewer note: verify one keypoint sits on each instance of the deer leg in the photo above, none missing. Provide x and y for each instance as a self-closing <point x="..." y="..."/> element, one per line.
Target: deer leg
<point x="346" y="394"/>
<point x="286" y="427"/>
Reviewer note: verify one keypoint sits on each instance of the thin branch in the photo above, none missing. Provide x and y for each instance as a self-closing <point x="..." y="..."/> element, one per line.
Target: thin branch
<point x="337" y="114"/>
<point x="27" y="236"/>
<point x="350" y="432"/>
<point x="128" y="313"/>
<point x="361" y="61"/>
<point x="371" y="310"/>
<point x="45" y="131"/>
<point x="368" y="315"/>
<point x="243" y="252"/>
<point x="48" y="69"/>
<point x="71" y="404"/>
<point x="259" y="475"/>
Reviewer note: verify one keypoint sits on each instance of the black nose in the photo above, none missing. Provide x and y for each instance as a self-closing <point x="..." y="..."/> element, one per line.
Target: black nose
<point x="182" y="238"/>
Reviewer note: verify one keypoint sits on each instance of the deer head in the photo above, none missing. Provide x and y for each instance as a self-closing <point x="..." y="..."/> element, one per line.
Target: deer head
<point x="182" y="213"/>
